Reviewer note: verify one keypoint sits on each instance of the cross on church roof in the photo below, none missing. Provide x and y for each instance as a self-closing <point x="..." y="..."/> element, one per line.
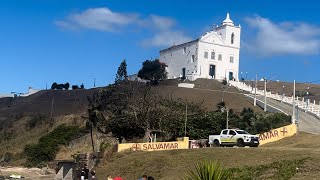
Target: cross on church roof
<point x="227" y="21"/>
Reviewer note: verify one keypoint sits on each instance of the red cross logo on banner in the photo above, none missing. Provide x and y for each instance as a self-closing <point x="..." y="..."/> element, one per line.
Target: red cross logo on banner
<point x="136" y="147"/>
<point x="284" y="131"/>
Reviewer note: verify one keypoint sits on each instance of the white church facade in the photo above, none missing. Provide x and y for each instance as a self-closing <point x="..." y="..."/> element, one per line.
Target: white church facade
<point x="213" y="56"/>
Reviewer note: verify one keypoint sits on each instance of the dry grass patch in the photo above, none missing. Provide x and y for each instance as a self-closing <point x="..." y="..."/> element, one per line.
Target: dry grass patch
<point x="172" y="164"/>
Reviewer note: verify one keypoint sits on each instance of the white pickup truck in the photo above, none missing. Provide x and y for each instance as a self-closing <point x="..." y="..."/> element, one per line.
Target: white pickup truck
<point x="234" y="137"/>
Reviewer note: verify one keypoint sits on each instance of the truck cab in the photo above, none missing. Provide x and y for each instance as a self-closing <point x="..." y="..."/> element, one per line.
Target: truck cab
<point x="234" y="137"/>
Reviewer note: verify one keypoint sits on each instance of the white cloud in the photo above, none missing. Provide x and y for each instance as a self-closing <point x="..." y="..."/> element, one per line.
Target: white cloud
<point x="282" y="38"/>
<point x="162" y="28"/>
<point x="162" y="23"/>
<point x="101" y="19"/>
<point x="166" y="38"/>
<point x="164" y="33"/>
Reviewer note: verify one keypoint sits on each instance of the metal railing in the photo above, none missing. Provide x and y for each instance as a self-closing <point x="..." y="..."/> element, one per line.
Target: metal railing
<point x="306" y="105"/>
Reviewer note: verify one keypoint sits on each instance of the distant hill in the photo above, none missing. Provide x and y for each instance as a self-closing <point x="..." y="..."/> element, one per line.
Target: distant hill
<point x="65" y="102"/>
<point x="68" y="102"/>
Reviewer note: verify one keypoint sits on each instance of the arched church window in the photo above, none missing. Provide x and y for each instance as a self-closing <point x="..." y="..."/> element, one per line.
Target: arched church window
<point x="232" y="38"/>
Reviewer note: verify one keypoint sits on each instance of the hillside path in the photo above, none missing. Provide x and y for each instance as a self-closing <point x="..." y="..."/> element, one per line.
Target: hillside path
<point x="306" y="122"/>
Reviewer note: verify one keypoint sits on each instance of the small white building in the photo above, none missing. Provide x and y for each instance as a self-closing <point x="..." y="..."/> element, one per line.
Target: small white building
<point x="214" y="56"/>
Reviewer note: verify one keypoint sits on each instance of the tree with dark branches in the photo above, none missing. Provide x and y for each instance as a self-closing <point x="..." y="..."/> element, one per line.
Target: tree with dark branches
<point x="153" y="70"/>
<point x="122" y="72"/>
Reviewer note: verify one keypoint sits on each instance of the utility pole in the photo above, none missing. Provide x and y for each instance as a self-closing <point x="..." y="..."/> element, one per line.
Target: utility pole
<point x="293" y="102"/>
<point x="185" y="123"/>
<point x="52" y="101"/>
<point x="255" y="92"/>
<point x="94" y="82"/>
<point x="265" y="95"/>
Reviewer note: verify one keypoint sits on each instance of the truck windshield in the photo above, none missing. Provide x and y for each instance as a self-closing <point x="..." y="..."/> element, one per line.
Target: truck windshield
<point x="242" y="132"/>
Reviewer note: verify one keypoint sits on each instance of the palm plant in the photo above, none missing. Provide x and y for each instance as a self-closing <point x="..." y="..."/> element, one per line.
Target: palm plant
<point x="207" y="170"/>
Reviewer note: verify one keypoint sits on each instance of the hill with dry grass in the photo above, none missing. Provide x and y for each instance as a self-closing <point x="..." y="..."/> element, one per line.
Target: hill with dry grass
<point x="25" y="119"/>
<point x="291" y="158"/>
<point x="65" y="102"/>
<point x="300" y="152"/>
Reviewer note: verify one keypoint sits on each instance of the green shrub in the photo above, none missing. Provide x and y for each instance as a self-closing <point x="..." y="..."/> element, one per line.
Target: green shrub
<point x="35" y="120"/>
<point x="103" y="146"/>
<point x="48" y="145"/>
<point x="285" y="169"/>
<point x="208" y="170"/>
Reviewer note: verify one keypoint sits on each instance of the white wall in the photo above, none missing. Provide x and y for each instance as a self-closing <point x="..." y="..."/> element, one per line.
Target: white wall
<point x="223" y="67"/>
<point x="219" y="41"/>
<point x="176" y="59"/>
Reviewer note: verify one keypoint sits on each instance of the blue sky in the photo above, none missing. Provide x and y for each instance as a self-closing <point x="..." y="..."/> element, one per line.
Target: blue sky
<point x="75" y="41"/>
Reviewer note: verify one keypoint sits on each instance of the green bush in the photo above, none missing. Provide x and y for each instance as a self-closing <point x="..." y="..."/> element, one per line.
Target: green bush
<point x="259" y="122"/>
<point x="285" y="169"/>
<point x="103" y="146"/>
<point x="208" y="170"/>
<point x="35" y="120"/>
<point x="48" y="145"/>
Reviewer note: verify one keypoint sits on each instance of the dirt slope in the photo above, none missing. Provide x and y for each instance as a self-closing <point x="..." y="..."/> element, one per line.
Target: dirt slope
<point x="65" y="102"/>
<point x="75" y="101"/>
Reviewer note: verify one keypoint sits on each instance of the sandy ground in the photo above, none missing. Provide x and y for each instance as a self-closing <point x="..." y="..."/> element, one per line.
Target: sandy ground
<point x="27" y="173"/>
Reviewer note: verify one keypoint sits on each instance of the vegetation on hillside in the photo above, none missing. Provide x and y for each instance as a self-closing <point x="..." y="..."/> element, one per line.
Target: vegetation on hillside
<point x="243" y="163"/>
<point x="207" y="170"/>
<point x="60" y="86"/>
<point x="153" y="70"/>
<point x="285" y="169"/>
<point x="122" y="72"/>
<point x="56" y="86"/>
<point x="48" y="146"/>
<point x="133" y="110"/>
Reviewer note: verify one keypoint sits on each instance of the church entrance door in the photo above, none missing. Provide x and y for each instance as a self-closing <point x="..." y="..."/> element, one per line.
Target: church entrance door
<point x="230" y="76"/>
<point x="212" y="70"/>
<point x="183" y="73"/>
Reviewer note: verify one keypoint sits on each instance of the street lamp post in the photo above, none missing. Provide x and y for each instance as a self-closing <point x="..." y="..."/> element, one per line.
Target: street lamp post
<point x="265" y="95"/>
<point x="293" y="103"/>
<point x="223" y="93"/>
<point x="185" y="122"/>
<point x="282" y="93"/>
<point x="265" y="92"/>
<point x="255" y="92"/>
<point x="307" y="99"/>
<point x="227" y="118"/>
<point x="225" y="109"/>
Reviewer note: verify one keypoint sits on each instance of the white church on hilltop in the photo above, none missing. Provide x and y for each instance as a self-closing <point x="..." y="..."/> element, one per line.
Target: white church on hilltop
<point x="213" y="56"/>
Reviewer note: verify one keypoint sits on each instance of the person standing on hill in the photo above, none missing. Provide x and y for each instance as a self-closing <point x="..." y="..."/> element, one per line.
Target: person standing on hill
<point x="144" y="177"/>
<point x="109" y="177"/>
<point x="93" y="174"/>
<point x="82" y="174"/>
<point x="86" y="172"/>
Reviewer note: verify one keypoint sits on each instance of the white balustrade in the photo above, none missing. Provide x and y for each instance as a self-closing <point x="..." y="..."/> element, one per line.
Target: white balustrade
<point x="305" y="105"/>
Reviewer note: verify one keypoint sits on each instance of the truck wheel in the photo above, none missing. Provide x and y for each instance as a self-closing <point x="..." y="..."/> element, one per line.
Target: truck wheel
<point x="216" y="143"/>
<point x="240" y="143"/>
